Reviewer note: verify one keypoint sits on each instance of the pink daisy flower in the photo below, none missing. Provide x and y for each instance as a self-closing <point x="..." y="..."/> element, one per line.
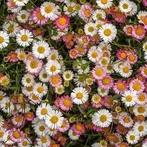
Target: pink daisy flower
<point x="119" y="86"/>
<point x="16" y="135"/>
<point x="96" y="101"/>
<point x="139" y="32"/>
<point x="85" y="12"/>
<point x="18" y="120"/>
<point x="38" y="18"/>
<point x="128" y="30"/>
<point x="78" y="128"/>
<point x="136" y="85"/>
<point x="99" y="72"/>
<point x="65" y="126"/>
<point x="65" y="103"/>
<point x="106" y="82"/>
<point x="144" y="71"/>
<point x="132" y="57"/>
<point x="62" y="22"/>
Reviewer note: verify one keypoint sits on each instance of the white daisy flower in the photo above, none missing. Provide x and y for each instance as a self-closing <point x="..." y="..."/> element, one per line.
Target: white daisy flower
<point x="90" y="29"/>
<point x="140" y="110"/>
<point x="26" y="142"/>
<point x="107" y="32"/>
<point x="43" y="141"/>
<point x="49" y="10"/>
<point x="94" y="54"/>
<point x="129" y="98"/>
<point x="134" y="9"/>
<point x="102" y="118"/>
<point x="53" y="56"/>
<point x="140" y="15"/>
<point x="98" y="14"/>
<point x="59" y="90"/>
<point x="27" y="91"/>
<point x="40" y="89"/>
<point x="54" y="119"/>
<point x="132" y="137"/>
<point x="28" y="80"/>
<point x="34" y="99"/>
<point x="24" y="37"/>
<point x="104" y="4"/>
<point x="20" y="2"/>
<point x="40" y="128"/>
<point x="125" y="6"/>
<point x="144" y="46"/>
<point x="4" y="39"/>
<point x="53" y="68"/>
<point x="140" y="128"/>
<point x="68" y="75"/>
<point x="11" y="27"/>
<point x="41" y="49"/>
<point x="102" y="92"/>
<point x="3" y="134"/>
<point x="23" y="16"/>
<point x="79" y="95"/>
<point x="43" y="76"/>
<point x="43" y="110"/>
<point x="72" y="135"/>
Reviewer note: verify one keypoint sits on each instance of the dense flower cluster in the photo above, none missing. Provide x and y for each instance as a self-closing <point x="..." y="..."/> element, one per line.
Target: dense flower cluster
<point x="73" y="73"/>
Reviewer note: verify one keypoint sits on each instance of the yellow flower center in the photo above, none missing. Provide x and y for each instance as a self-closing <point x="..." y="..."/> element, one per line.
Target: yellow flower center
<point x="54" y="119"/>
<point x="129" y="98"/>
<point x="79" y="95"/>
<point x="48" y="9"/>
<point x="106" y="81"/>
<point x="25" y="143"/>
<point x="34" y="64"/>
<point x="41" y="128"/>
<point x="67" y="102"/>
<point x="28" y="80"/>
<point x="41" y="49"/>
<point x="62" y="21"/>
<point x="53" y="57"/>
<point x="140" y="128"/>
<point x="132" y="137"/>
<point x="44" y="111"/>
<point x="53" y="68"/>
<point x="99" y="72"/>
<point x="136" y="86"/>
<point x="18" y="118"/>
<point x="104" y="1"/>
<point x="107" y="32"/>
<point x="43" y="139"/>
<point x="91" y="29"/>
<point x="2" y="39"/>
<point x="141" y="97"/>
<point x="16" y="134"/>
<point x="24" y="38"/>
<point x="125" y="6"/>
<point x="1" y="134"/>
<point x="141" y="109"/>
<point x="103" y="118"/>
<point x="40" y="89"/>
<point x="94" y="54"/>
<point x="10" y="29"/>
<point x="126" y="69"/>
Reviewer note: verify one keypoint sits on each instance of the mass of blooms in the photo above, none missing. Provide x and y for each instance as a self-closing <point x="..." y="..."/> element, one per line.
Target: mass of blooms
<point x="73" y="73"/>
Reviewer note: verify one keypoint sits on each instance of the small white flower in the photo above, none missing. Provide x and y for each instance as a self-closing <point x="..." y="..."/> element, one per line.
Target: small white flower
<point x="90" y="29"/>
<point x="28" y="80"/>
<point x="132" y="137"/>
<point x="24" y="38"/>
<point x="4" y="39"/>
<point x="98" y="14"/>
<point x="23" y="16"/>
<point x="125" y="6"/>
<point x="108" y="32"/>
<point x="20" y="2"/>
<point x="104" y="4"/>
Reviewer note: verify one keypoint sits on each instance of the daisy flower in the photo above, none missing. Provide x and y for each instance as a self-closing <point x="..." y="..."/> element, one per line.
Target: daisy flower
<point x="70" y="9"/>
<point x="3" y="134"/>
<point x="90" y="29"/>
<point x="68" y="75"/>
<point x="43" y="76"/>
<point x="16" y="135"/>
<point x="27" y="91"/>
<point x="43" y="111"/>
<point x="125" y="6"/>
<point x="94" y="54"/>
<point x="136" y="85"/>
<point x="79" y="95"/>
<point x="59" y="89"/>
<point x="129" y="98"/>
<point x="62" y="22"/>
<point x="96" y="101"/>
<point x="43" y="140"/>
<point x="34" y="99"/>
<point x="106" y="82"/>
<point x="104" y="4"/>
<point x="41" y="49"/>
<point x="53" y="56"/>
<point x="11" y="27"/>
<point x="23" y="16"/>
<point x="102" y="118"/>
<point x="65" y="103"/>
<point x="99" y="72"/>
<point x="141" y="98"/>
<point x="25" y="143"/>
<point x="4" y="39"/>
<point x="24" y="37"/>
<point x="85" y="12"/>
<point x="98" y="14"/>
<point x="49" y="10"/>
<point x="140" y="110"/>
<point x="33" y="66"/>
<point x="102" y="92"/>
<point x="142" y="17"/>
<point x="40" y="89"/>
<point x="72" y="135"/>
<point x="28" y="80"/>
<point x="107" y="32"/>
<point x="53" y="68"/>
<point x="125" y="120"/>
<point x="55" y="80"/>
<point x="54" y="119"/>
<point x="65" y="126"/>
<point x="119" y="87"/>
<point x="20" y="3"/>
<point x="38" y="18"/>
<point x="140" y="128"/>
<point x="132" y="137"/>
